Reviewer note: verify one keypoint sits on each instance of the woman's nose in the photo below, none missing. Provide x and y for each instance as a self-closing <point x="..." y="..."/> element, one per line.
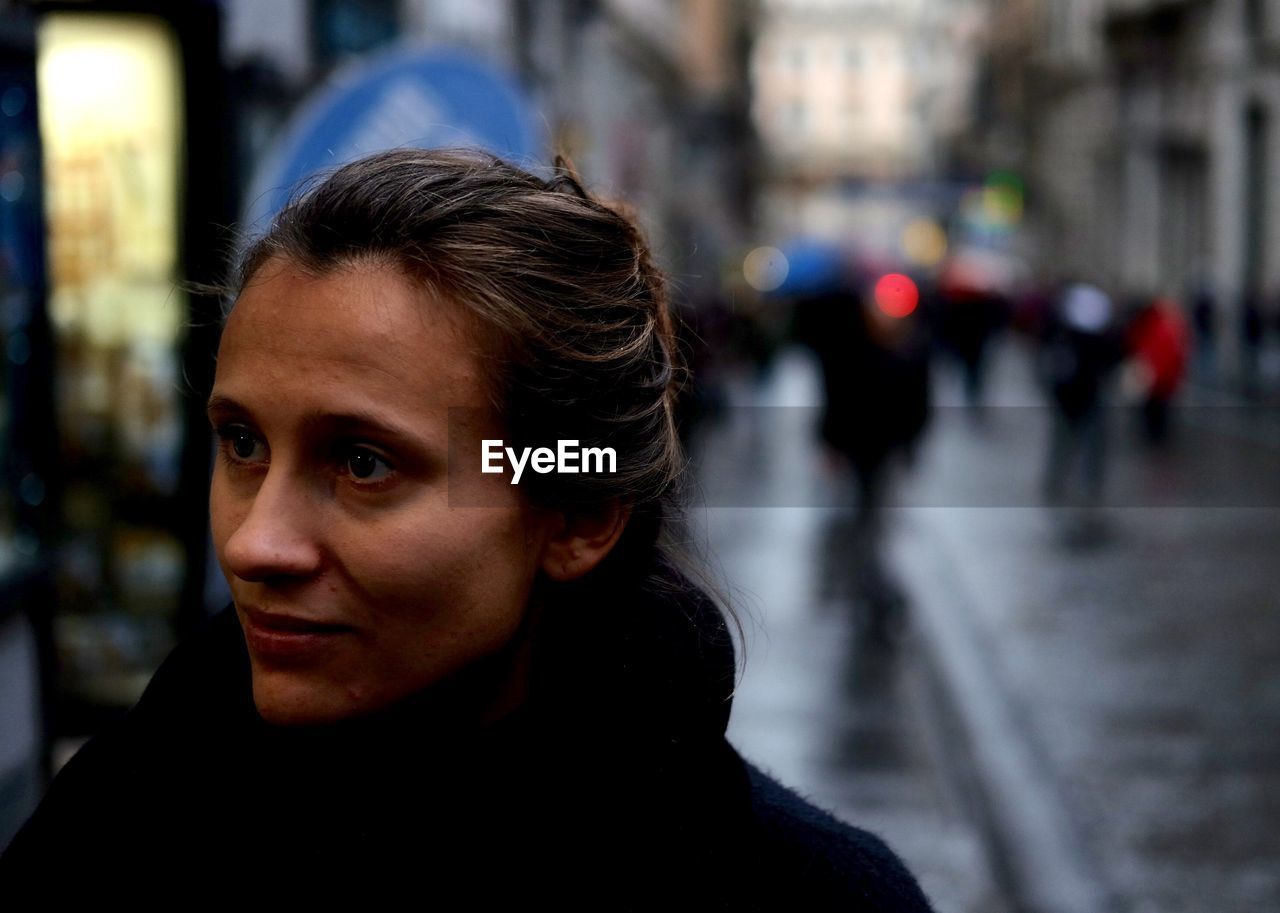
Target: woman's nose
<point x="275" y="538"/>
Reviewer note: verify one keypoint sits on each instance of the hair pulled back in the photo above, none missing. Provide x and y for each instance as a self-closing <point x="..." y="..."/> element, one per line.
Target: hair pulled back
<point x="563" y="287"/>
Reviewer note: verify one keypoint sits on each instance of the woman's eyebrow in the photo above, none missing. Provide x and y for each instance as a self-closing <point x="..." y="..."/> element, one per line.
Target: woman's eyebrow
<point x="219" y="404"/>
<point x="346" y="421"/>
<point x="361" y="421"/>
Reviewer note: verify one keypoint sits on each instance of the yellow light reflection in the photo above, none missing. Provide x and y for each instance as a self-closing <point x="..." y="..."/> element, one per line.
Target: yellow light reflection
<point x="110" y="123"/>
<point x="924" y="242"/>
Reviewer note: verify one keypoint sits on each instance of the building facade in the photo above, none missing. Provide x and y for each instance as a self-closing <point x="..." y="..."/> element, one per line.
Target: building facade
<point x="1147" y="131"/>
<point x="858" y="91"/>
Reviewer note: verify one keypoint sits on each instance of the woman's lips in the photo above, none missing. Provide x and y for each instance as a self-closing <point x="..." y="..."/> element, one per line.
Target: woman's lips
<point x="274" y="636"/>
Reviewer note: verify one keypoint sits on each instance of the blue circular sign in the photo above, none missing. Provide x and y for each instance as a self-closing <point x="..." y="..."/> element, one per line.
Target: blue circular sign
<point x="409" y="98"/>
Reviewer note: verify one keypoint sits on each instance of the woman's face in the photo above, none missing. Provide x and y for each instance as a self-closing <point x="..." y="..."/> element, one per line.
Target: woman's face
<point x="354" y="579"/>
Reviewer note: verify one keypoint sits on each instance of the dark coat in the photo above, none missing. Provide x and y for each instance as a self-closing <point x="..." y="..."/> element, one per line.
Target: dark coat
<point x="876" y="391"/>
<point x="614" y="788"/>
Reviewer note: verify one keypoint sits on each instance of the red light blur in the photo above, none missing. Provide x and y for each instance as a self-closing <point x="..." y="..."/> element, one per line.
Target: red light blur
<point x="896" y="295"/>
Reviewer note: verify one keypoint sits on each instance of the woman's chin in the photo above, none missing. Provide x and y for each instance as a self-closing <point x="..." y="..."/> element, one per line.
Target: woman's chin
<point x="286" y="700"/>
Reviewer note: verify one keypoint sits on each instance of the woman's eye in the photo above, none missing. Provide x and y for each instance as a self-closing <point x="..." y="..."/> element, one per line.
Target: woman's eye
<point x="366" y="465"/>
<point x="241" y="443"/>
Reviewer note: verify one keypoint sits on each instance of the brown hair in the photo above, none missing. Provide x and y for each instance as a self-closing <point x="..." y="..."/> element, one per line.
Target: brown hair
<point x="561" y="282"/>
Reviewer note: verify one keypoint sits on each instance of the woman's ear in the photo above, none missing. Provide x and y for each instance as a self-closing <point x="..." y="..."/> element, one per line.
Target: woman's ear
<point x="581" y="538"/>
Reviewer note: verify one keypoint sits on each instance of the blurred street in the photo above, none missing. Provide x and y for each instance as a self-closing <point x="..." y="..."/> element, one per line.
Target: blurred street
<point x="1094" y="690"/>
<point x="980" y="306"/>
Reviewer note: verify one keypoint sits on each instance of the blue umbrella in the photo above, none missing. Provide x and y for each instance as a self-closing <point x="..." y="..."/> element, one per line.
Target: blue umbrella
<point x="813" y="267"/>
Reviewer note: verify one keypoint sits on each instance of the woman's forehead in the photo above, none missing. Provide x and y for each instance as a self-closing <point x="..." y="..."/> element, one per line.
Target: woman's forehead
<point x="362" y="325"/>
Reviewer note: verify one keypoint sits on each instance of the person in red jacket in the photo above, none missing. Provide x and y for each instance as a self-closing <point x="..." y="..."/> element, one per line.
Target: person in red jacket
<point x="1159" y="343"/>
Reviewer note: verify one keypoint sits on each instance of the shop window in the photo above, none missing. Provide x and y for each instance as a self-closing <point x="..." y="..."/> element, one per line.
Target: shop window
<point x="110" y="89"/>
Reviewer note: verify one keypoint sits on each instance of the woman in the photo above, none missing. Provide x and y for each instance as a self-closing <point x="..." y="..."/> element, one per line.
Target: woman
<point x="433" y="679"/>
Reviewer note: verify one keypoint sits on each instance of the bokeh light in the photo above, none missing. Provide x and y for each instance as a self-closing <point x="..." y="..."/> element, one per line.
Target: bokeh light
<point x="924" y="242"/>
<point x="1002" y="196"/>
<point x="765" y="269"/>
<point x="896" y="295"/>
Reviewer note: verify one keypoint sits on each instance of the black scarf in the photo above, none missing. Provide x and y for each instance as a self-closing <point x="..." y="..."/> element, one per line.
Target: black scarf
<point x="612" y="787"/>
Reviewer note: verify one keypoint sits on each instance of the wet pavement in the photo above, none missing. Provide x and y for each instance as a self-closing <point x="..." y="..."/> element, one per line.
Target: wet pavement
<point x="827" y="709"/>
<point x="1085" y="704"/>
<point x="1136" y="649"/>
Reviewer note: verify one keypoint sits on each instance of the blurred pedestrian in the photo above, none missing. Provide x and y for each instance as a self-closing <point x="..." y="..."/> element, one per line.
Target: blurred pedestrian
<point x="1205" y="320"/>
<point x="1032" y="309"/>
<point x="1252" y="331"/>
<point x="972" y="308"/>
<point x="1159" y="346"/>
<point x="875" y="373"/>
<point x="1079" y="355"/>
<point x="434" y="683"/>
<point x="874" y="355"/>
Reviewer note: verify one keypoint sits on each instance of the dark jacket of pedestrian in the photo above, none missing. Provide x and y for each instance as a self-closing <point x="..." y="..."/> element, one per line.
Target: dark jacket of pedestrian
<point x="1080" y="351"/>
<point x="614" y="788"/>
<point x="875" y="378"/>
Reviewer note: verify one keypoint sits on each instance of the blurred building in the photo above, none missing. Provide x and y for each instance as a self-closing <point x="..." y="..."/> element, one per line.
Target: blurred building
<point x="1146" y="130"/>
<point x="859" y="90"/>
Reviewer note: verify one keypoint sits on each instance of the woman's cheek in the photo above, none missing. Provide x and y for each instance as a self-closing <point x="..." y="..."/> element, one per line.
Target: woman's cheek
<point x="225" y="513"/>
<point x="405" y="573"/>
